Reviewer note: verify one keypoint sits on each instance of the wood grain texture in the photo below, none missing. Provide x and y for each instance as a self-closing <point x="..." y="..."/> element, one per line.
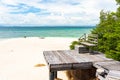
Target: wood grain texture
<point x="88" y="44"/>
<point x="109" y="65"/>
<point x="70" y="59"/>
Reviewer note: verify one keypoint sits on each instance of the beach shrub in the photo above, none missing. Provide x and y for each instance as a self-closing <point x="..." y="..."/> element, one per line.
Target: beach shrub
<point x="108" y="31"/>
<point x="72" y="46"/>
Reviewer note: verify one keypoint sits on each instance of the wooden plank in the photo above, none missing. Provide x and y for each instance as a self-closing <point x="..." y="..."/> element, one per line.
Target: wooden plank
<point x="85" y="58"/>
<point x="80" y="62"/>
<point x="92" y="58"/>
<point x="87" y="44"/>
<point x="77" y="57"/>
<point x="59" y="67"/>
<point x="98" y="58"/>
<point x="59" y="57"/>
<point x="86" y="65"/>
<point x="56" y="61"/>
<point x="108" y="65"/>
<point x="75" y="60"/>
<point x="72" y="57"/>
<point x="62" y="60"/>
<point x="113" y="75"/>
<point x="51" y="58"/>
<point x="102" y="56"/>
<point x="66" y="57"/>
<point x="69" y="59"/>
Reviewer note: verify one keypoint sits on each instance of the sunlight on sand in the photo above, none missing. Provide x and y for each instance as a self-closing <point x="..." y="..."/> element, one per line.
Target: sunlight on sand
<point x="22" y="58"/>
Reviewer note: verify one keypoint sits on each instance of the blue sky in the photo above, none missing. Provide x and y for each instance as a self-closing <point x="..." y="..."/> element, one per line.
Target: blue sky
<point x="53" y="12"/>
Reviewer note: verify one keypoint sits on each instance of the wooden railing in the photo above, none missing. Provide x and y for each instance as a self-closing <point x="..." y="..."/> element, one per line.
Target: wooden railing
<point x="83" y="37"/>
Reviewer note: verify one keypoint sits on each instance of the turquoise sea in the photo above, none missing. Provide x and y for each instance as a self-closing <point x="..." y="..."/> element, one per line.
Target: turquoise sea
<point x="16" y="32"/>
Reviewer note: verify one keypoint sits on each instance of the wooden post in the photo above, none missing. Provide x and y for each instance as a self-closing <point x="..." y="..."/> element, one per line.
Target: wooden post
<point x="90" y="50"/>
<point x="85" y="36"/>
<point x="55" y="74"/>
<point x="51" y="75"/>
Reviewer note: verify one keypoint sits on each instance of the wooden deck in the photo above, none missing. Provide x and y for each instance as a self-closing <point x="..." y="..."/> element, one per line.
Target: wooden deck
<point x="111" y="69"/>
<point x="110" y="65"/>
<point x="71" y="60"/>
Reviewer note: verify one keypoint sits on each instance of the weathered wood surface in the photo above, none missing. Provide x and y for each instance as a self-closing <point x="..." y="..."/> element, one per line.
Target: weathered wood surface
<point x="88" y="44"/>
<point x="81" y="49"/>
<point x="68" y="60"/>
<point x="109" y="65"/>
<point x="113" y="75"/>
<point x="91" y="40"/>
<point x="111" y="70"/>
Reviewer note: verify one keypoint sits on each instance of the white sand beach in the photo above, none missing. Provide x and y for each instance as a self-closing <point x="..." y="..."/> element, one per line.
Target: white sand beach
<point x="18" y="57"/>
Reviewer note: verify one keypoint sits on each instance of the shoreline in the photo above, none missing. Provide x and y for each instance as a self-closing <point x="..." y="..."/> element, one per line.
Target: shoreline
<point x="42" y="38"/>
<point x="37" y="37"/>
<point x="19" y="56"/>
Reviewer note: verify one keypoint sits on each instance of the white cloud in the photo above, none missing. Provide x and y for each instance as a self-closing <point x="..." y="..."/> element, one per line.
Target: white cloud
<point x="54" y="12"/>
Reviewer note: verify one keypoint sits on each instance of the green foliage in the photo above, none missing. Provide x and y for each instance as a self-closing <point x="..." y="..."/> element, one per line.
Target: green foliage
<point x="108" y="31"/>
<point x="72" y="46"/>
<point x="118" y="1"/>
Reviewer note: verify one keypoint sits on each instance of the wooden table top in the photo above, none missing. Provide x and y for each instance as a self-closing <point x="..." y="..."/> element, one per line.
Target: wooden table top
<point x="70" y="59"/>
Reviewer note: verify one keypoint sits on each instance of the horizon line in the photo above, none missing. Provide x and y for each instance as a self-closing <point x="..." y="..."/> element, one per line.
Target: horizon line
<point x="46" y="26"/>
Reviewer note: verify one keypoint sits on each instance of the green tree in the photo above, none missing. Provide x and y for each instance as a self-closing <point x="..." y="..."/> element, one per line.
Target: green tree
<point x="118" y="1"/>
<point x="108" y="31"/>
